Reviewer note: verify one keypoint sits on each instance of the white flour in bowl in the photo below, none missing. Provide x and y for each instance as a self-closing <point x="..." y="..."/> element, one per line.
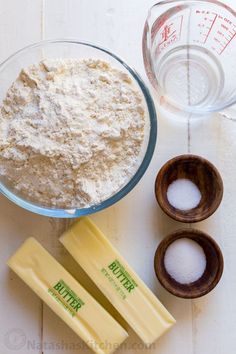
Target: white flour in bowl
<point x="71" y="132"/>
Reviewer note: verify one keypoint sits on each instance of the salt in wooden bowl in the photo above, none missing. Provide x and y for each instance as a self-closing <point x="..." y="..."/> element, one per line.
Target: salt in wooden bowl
<point x="199" y="171"/>
<point x="211" y="275"/>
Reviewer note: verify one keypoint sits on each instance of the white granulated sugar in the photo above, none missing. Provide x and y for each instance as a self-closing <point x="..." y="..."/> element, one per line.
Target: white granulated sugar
<point x="185" y="261"/>
<point x="183" y="194"/>
<point x="71" y="132"/>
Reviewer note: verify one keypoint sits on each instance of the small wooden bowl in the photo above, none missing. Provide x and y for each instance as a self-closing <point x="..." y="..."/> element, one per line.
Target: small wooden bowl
<point x="209" y="279"/>
<point x="201" y="172"/>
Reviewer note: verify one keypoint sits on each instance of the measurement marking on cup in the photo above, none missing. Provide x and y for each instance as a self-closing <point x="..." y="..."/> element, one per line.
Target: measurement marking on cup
<point x="212" y="24"/>
<point x="169" y="33"/>
<point x="226" y="45"/>
<point x="221" y="30"/>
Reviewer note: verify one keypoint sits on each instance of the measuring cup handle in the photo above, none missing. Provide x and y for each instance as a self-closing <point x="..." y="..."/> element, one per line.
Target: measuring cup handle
<point x="229" y="113"/>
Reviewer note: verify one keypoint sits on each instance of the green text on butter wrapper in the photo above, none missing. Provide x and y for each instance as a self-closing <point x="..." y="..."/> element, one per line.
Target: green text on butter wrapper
<point x="66" y="297"/>
<point x="119" y="278"/>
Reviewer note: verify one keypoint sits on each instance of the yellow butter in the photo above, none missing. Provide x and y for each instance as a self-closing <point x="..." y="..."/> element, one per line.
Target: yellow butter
<point x="66" y="297"/>
<point x="116" y="279"/>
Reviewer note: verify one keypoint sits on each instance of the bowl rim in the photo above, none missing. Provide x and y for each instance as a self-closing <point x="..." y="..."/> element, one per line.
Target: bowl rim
<point x="77" y="212"/>
<point x="177" y="214"/>
<point x="191" y="234"/>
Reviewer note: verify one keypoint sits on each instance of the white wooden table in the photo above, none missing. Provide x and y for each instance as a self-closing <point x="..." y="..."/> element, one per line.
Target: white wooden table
<point x="136" y="224"/>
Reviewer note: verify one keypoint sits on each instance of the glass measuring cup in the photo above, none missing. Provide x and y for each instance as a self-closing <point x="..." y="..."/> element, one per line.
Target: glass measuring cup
<point x="189" y="52"/>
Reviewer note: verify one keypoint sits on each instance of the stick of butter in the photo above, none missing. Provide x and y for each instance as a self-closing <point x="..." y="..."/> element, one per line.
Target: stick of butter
<point x="116" y="279"/>
<point x="66" y="297"/>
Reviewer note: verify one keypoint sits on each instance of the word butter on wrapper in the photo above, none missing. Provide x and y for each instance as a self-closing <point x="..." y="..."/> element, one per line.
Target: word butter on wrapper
<point x="66" y="297"/>
<point x="116" y="279"/>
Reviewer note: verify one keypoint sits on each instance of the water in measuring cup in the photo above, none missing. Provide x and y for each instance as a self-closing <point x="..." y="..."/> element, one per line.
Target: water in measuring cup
<point x="190" y="75"/>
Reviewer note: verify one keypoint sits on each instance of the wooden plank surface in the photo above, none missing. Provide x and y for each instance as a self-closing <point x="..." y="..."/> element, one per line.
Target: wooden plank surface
<point x="20" y="25"/>
<point x="135" y="225"/>
<point x="214" y="316"/>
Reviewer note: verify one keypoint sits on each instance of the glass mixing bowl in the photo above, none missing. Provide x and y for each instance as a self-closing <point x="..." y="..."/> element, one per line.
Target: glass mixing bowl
<point x="9" y="71"/>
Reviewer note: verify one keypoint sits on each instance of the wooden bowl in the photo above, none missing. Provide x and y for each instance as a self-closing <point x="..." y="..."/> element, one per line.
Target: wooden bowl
<point x="209" y="279"/>
<point x="201" y="172"/>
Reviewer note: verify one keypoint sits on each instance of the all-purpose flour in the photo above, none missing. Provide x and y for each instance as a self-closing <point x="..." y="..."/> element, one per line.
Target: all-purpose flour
<point x="71" y="132"/>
